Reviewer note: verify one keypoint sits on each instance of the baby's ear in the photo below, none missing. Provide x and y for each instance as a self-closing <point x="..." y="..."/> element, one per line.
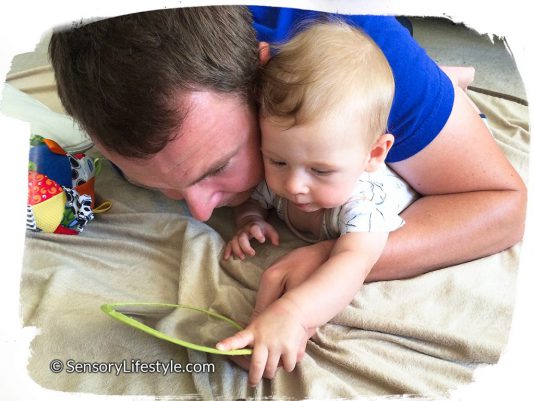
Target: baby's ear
<point x="379" y="151"/>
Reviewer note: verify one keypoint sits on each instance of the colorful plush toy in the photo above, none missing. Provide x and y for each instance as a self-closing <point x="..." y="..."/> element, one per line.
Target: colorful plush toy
<point x="60" y="188"/>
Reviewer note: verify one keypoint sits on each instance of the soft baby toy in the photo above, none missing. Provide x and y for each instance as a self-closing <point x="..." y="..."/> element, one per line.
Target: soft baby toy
<point x="60" y="188"/>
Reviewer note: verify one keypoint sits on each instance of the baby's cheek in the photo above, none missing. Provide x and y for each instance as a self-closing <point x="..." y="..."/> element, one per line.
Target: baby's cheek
<point x="333" y="197"/>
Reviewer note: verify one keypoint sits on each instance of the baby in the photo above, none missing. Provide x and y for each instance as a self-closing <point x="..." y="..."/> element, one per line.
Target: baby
<point x="324" y="105"/>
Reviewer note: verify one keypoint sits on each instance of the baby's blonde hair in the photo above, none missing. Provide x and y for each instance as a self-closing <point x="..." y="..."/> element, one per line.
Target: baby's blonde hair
<point x="329" y="67"/>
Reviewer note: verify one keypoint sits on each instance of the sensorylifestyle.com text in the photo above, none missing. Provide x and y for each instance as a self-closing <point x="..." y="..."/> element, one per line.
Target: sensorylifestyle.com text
<point x="137" y="366"/>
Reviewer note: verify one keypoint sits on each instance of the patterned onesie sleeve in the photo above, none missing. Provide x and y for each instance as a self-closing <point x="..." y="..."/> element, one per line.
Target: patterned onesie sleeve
<point x="376" y="203"/>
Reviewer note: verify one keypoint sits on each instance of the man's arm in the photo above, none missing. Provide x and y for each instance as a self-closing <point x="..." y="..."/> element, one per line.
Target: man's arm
<point x="473" y="203"/>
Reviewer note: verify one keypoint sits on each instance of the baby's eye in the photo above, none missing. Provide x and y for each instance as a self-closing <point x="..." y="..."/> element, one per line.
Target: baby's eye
<point x="277" y="163"/>
<point x="322" y="172"/>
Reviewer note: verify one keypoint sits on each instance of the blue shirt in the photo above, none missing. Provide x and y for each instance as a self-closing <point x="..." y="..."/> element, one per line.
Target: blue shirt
<point x="423" y="93"/>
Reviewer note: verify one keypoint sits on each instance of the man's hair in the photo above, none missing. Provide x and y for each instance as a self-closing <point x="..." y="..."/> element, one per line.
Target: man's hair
<point x="124" y="79"/>
<point x="329" y="69"/>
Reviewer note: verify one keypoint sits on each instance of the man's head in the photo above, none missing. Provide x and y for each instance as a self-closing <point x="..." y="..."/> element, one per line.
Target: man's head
<point x="123" y="78"/>
<point x="214" y="162"/>
<point x="166" y="95"/>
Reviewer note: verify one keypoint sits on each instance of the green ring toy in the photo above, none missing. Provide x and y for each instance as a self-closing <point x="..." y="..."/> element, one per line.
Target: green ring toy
<point x="120" y="310"/>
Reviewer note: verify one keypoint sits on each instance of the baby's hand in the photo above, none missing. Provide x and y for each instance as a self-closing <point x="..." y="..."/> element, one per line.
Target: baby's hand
<point x="258" y="229"/>
<point x="276" y="335"/>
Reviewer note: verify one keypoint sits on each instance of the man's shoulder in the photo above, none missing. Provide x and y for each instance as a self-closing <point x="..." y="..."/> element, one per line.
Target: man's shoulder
<point x="277" y="24"/>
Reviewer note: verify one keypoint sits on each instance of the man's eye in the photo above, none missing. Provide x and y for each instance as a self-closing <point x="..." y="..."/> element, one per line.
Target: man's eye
<point x="218" y="170"/>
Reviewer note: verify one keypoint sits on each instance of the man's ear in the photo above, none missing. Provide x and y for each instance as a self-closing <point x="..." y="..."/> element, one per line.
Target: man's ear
<point x="379" y="151"/>
<point x="264" y="52"/>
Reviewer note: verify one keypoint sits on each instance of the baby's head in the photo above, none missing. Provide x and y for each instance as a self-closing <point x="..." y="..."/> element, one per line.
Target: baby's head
<point x="324" y="101"/>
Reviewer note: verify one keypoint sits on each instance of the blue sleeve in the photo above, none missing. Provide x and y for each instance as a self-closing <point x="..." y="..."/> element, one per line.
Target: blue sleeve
<point x="423" y="93"/>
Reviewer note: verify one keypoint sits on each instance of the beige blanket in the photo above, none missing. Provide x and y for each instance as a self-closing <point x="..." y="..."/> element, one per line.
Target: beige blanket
<point x="423" y="336"/>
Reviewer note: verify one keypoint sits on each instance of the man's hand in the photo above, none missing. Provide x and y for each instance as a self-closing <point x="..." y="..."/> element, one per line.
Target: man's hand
<point x="289" y="272"/>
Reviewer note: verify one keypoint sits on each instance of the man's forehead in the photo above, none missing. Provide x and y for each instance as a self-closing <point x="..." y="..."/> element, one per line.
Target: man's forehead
<point x="216" y="127"/>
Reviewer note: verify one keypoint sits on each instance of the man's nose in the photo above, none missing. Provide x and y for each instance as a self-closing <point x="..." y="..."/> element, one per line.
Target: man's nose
<point x="200" y="203"/>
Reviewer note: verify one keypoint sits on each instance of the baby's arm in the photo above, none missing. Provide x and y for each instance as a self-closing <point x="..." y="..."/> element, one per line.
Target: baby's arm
<point x="281" y="331"/>
<point x="250" y="222"/>
<point x="333" y="286"/>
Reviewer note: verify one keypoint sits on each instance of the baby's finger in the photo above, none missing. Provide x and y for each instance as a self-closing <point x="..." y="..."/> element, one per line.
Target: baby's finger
<point x="271" y="367"/>
<point x="236" y="248"/>
<point x="310" y="332"/>
<point x="257" y="233"/>
<point x="272" y="234"/>
<point x="244" y="244"/>
<point x="227" y="251"/>
<point x="239" y="340"/>
<point x="301" y="351"/>
<point x="257" y="365"/>
<point x="289" y="360"/>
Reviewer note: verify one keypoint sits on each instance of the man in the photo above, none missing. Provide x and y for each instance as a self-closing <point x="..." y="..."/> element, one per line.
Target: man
<point x="168" y="97"/>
